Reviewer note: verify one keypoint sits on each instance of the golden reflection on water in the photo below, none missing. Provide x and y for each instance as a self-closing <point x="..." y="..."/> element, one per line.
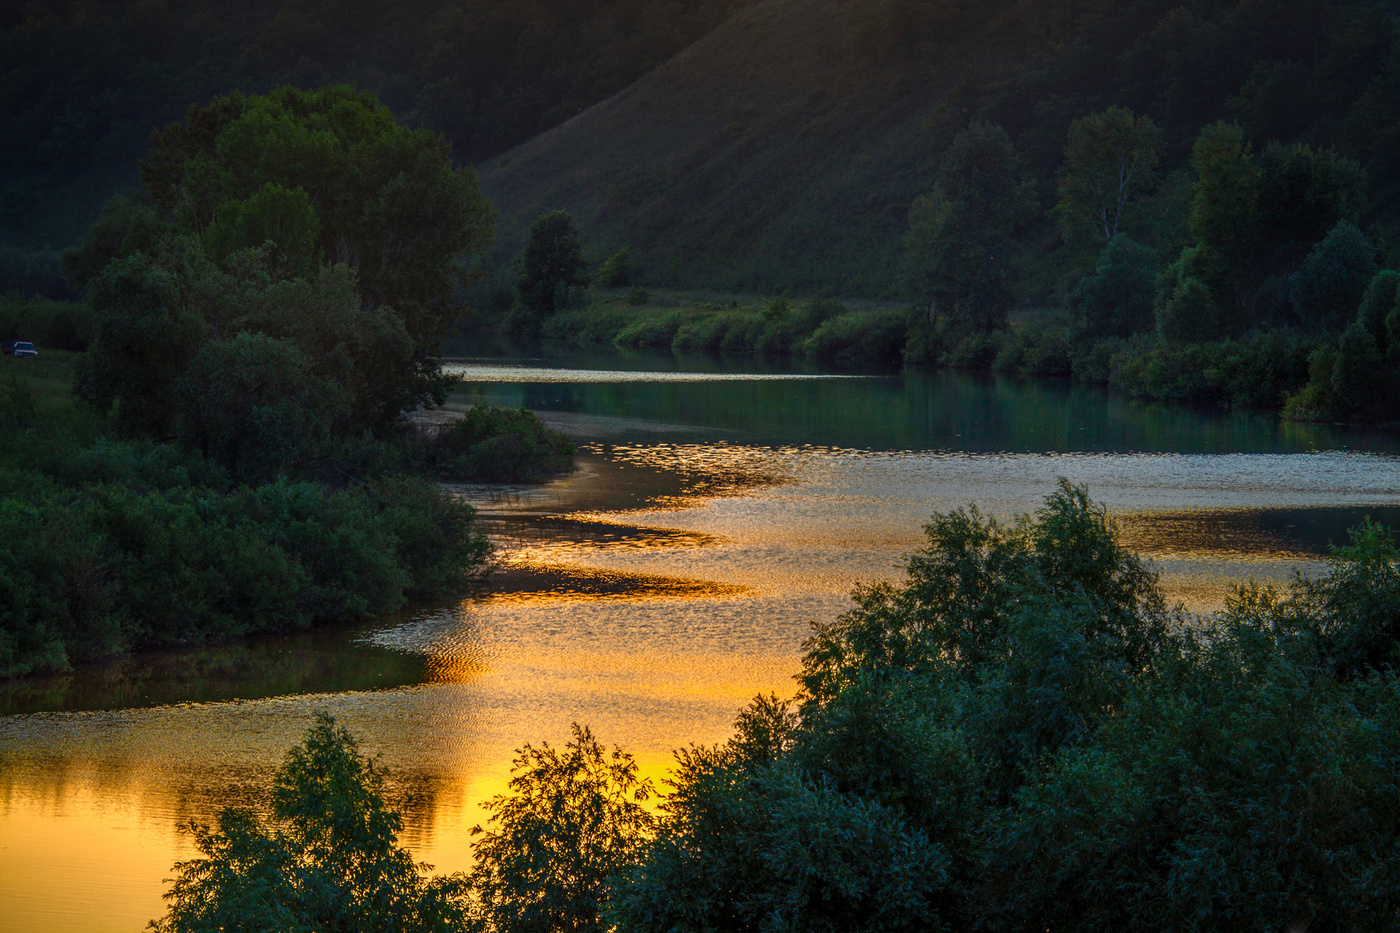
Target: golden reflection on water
<point x="649" y="595"/>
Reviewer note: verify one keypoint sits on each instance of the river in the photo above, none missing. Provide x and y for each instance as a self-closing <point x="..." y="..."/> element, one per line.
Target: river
<point x="649" y="594"/>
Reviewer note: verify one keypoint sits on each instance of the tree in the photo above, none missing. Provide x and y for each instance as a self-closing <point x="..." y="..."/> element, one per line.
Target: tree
<point x="251" y="193"/>
<point x="556" y="845"/>
<point x="1117" y="298"/>
<point x="1224" y="207"/>
<point x="1110" y="157"/>
<point x="327" y="860"/>
<point x="959" y="241"/>
<point x="1329" y="286"/>
<point x="553" y="262"/>
<point x="616" y="269"/>
<point x="253" y="404"/>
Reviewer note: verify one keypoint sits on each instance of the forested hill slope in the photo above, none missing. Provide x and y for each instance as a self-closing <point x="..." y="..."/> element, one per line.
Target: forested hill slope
<point x="783" y="150"/>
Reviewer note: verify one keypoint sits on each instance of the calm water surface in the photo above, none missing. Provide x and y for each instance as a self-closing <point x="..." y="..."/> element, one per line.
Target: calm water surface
<point x="649" y="594"/>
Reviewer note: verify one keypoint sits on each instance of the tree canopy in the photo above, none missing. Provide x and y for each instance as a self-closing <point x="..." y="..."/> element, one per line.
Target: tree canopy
<point x="311" y="218"/>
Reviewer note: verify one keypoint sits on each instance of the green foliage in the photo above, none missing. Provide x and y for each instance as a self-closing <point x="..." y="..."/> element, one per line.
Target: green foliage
<point x="118" y="547"/>
<point x="280" y="216"/>
<point x="1021" y="735"/>
<point x="1187" y="313"/>
<point x="244" y="200"/>
<point x="855" y="338"/>
<point x="553" y="263"/>
<point x="1328" y="288"/>
<point x="1224" y="204"/>
<point x="495" y="445"/>
<point x="50" y="324"/>
<point x="1258" y="370"/>
<point x="327" y="858"/>
<point x="251" y="403"/>
<point x="16" y="400"/>
<point x="650" y="330"/>
<point x="555" y="847"/>
<point x="958" y="244"/>
<point x="1117" y="299"/>
<point x="1110" y="157"/>
<point x="1381" y="299"/>
<point x="617" y="269"/>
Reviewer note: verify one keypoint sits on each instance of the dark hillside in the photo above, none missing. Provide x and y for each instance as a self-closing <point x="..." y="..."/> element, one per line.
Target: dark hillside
<point x="83" y="83"/>
<point x="783" y="149"/>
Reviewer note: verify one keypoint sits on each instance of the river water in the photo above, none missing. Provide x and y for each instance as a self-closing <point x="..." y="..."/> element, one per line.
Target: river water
<point x="649" y="594"/>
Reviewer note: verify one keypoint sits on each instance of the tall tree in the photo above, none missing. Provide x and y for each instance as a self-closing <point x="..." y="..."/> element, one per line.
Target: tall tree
<point x="553" y="262"/>
<point x="1110" y="158"/>
<point x="959" y="240"/>
<point x="251" y="194"/>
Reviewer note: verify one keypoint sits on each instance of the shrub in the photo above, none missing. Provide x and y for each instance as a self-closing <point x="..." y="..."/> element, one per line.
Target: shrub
<point x="650" y="331"/>
<point x="497" y="445"/>
<point x="1117" y="299"/>
<point x="555" y="848"/>
<point x="617" y="269"/>
<point x="1328" y="288"/>
<point x="874" y="338"/>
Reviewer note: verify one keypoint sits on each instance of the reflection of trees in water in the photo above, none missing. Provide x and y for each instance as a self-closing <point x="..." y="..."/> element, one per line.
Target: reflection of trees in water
<point x="326" y="660"/>
<point x="931" y="411"/>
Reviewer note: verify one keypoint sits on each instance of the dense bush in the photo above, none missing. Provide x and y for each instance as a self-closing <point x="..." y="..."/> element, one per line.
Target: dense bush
<point x="119" y="547"/>
<point x="492" y="445"/>
<point x="55" y="325"/>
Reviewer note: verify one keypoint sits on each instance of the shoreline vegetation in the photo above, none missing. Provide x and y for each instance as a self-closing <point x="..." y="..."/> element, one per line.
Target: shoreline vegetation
<point x="215" y="442"/>
<point x="1021" y="734"/>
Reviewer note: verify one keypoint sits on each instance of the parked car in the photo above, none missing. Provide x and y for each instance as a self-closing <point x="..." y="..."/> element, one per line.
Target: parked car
<point x="20" y="348"/>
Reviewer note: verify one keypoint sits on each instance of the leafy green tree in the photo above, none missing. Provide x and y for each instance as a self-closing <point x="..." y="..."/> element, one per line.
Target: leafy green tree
<point x="617" y="269"/>
<point x="327" y="860"/>
<point x="1186" y="310"/>
<point x="1363" y="385"/>
<point x="1303" y="194"/>
<point x="252" y="404"/>
<point x="1110" y="158"/>
<point x="1117" y="299"/>
<point x="1329" y="286"/>
<point x="553" y="263"/>
<point x="556" y="846"/>
<point x="1224" y="208"/>
<point x="958" y="247"/>
<point x="268" y="190"/>
<point x="1381" y="298"/>
<point x="146" y="332"/>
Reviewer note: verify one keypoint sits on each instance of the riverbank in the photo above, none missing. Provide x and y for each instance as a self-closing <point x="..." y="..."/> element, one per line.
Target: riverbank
<point x="1281" y="371"/>
<point x="118" y="546"/>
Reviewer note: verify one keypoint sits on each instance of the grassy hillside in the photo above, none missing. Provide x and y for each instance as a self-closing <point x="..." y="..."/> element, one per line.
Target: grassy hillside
<point x="783" y="150"/>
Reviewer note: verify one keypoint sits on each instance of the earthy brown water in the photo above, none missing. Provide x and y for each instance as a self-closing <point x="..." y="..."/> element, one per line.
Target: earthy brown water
<point x="649" y="595"/>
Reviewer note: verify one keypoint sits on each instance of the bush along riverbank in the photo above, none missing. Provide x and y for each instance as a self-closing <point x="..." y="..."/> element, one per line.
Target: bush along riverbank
<point x="230" y="451"/>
